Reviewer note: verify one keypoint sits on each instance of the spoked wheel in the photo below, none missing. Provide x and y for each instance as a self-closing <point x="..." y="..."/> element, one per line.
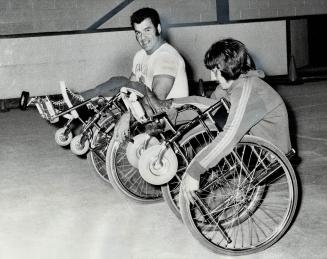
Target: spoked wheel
<point x="63" y="137"/>
<point x="79" y="146"/>
<point x="190" y="145"/>
<point x="126" y="179"/>
<point x="99" y="144"/>
<point x="246" y="202"/>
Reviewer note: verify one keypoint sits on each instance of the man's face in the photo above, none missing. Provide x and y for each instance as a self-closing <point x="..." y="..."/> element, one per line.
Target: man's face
<point x="146" y="35"/>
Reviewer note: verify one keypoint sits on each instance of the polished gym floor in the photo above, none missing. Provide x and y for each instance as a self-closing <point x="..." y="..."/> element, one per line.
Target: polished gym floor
<point x="52" y="205"/>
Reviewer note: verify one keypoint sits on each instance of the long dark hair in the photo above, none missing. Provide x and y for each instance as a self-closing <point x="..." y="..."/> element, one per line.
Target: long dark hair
<point x="231" y="57"/>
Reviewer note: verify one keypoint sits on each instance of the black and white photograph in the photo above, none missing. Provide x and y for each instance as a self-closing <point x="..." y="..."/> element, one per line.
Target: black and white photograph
<point x="163" y="129"/>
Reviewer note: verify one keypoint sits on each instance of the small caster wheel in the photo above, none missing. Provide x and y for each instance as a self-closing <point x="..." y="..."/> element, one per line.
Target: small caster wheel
<point x="135" y="149"/>
<point x="23" y="100"/>
<point x="62" y="137"/>
<point x="79" y="146"/>
<point x="154" y="171"/>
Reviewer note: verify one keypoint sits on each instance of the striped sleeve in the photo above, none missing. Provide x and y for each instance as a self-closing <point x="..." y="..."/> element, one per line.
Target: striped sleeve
<point x="234" y="130"/>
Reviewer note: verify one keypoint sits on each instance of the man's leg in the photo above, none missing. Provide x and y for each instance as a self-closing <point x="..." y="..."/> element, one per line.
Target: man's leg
<point x="106" y="89"/>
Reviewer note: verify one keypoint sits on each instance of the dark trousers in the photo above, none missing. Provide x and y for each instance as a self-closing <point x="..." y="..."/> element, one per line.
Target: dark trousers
<point x="112" y="87"/>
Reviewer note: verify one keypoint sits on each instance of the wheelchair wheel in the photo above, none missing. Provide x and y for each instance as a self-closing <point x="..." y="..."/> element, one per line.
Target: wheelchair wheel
<point x="79" y="146"/>
<point x="190" y="144"/>
<point x="99" y="144"/>
<point x="63" y="137"/>
<point x="246" y="202"/>
<point x="126" y="179"/>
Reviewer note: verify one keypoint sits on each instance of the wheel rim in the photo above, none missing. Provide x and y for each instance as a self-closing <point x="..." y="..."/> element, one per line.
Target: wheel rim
<point x="134" y="150"/>
<point x="128" y="177"/>
<point x="157" y="171"/>
<point x="253" y="215"/>
<point x="77" y="147"/>
<point x="62" y="138"/>
<point x="190" y="147"/>
<point x="100" y="143"/>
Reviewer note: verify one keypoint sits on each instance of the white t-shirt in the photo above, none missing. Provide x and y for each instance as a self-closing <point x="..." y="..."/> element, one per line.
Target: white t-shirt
<point x="164" y="61"/>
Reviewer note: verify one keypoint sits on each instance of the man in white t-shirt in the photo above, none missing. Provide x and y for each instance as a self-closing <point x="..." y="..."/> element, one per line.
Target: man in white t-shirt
<point x="157" y="65"/>
<point x="163" y="71"/>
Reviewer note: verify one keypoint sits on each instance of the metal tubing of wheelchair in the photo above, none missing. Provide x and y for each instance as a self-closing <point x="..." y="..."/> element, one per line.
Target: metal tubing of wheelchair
<point x="84" y="103"/>
<point x="71" y="109"/>
<point x="206" y="213"/>
<point x="264" y="174"/>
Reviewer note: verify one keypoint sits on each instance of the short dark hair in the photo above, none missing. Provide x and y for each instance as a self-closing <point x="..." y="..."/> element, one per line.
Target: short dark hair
<point x="144" y="13"/>
<point x="231" y="57"/>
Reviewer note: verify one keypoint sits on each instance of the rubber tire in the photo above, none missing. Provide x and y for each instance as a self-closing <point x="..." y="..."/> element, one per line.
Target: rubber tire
<point x="60" y="133"/>
<point x="76" y="147"/>
<point x="163" y="174"/>
<point x="97" y="166"/>
<point x="166" y="189"/>
<point x="134" y="149"/>
<point x="188" y="221"/>
<point x="120" y="187"/>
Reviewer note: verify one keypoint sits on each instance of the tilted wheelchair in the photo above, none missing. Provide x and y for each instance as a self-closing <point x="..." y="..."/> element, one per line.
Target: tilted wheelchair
<point x="95" y="132"/>
<point x="245" y="203"/>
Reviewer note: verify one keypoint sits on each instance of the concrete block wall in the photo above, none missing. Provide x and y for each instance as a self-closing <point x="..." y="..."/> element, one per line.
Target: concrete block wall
<point x="37" y="64"/>
<point x="33" y="16"/>
<point x="260" y="9"/>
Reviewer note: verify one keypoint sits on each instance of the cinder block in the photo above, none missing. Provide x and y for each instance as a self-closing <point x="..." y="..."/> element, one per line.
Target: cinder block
<point x="25" y="27"/>
<point x="315" y="3"/>
<point x="282" y="3"/>
<point x="286" y="11"/>
<point x="4" y="4"/>
<point x="106" y="4"/>
<point x="259" y="4"/>
<point x="309" y="10"/>
<point x="56" y="25"/>
<point x="234" y="14"/>
<point x="239" y="4"/>
<point x="63" y="4"/>
<point x="19" y="4"/>
<point x="191" y="13"/>
<point x="268" y="13"/>
<point x="17" y="15"/>
<point x="43" y="4"/>
<point x="182" y="18"/>
<point x="250" y="14"/>
<point x="5" y="28"/>
<point x="208" y="16"/>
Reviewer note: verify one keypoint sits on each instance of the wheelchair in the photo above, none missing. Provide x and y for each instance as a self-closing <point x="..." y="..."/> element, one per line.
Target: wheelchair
<point x="122" y="159"/>
<point x="95" y="132"/>
<point x="245" y="203"/>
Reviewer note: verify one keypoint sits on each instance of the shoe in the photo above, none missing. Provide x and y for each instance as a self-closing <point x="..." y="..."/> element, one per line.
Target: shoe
<point x="74" y="98"/>
<point x="60" y="105"/>
<point x="45" y="108"/>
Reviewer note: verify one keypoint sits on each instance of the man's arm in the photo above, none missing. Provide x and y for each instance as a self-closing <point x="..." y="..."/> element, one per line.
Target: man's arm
<point x="162" y="85"/>
<point x="132" y="77"/>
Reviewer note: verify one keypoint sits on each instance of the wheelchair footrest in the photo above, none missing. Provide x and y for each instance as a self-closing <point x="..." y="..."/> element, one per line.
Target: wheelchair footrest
<point x="45" y="108"/>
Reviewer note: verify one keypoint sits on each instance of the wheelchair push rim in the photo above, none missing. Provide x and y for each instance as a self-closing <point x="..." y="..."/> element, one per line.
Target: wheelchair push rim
<point x="190" y="145"/>
<point x="125" y="178"/>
